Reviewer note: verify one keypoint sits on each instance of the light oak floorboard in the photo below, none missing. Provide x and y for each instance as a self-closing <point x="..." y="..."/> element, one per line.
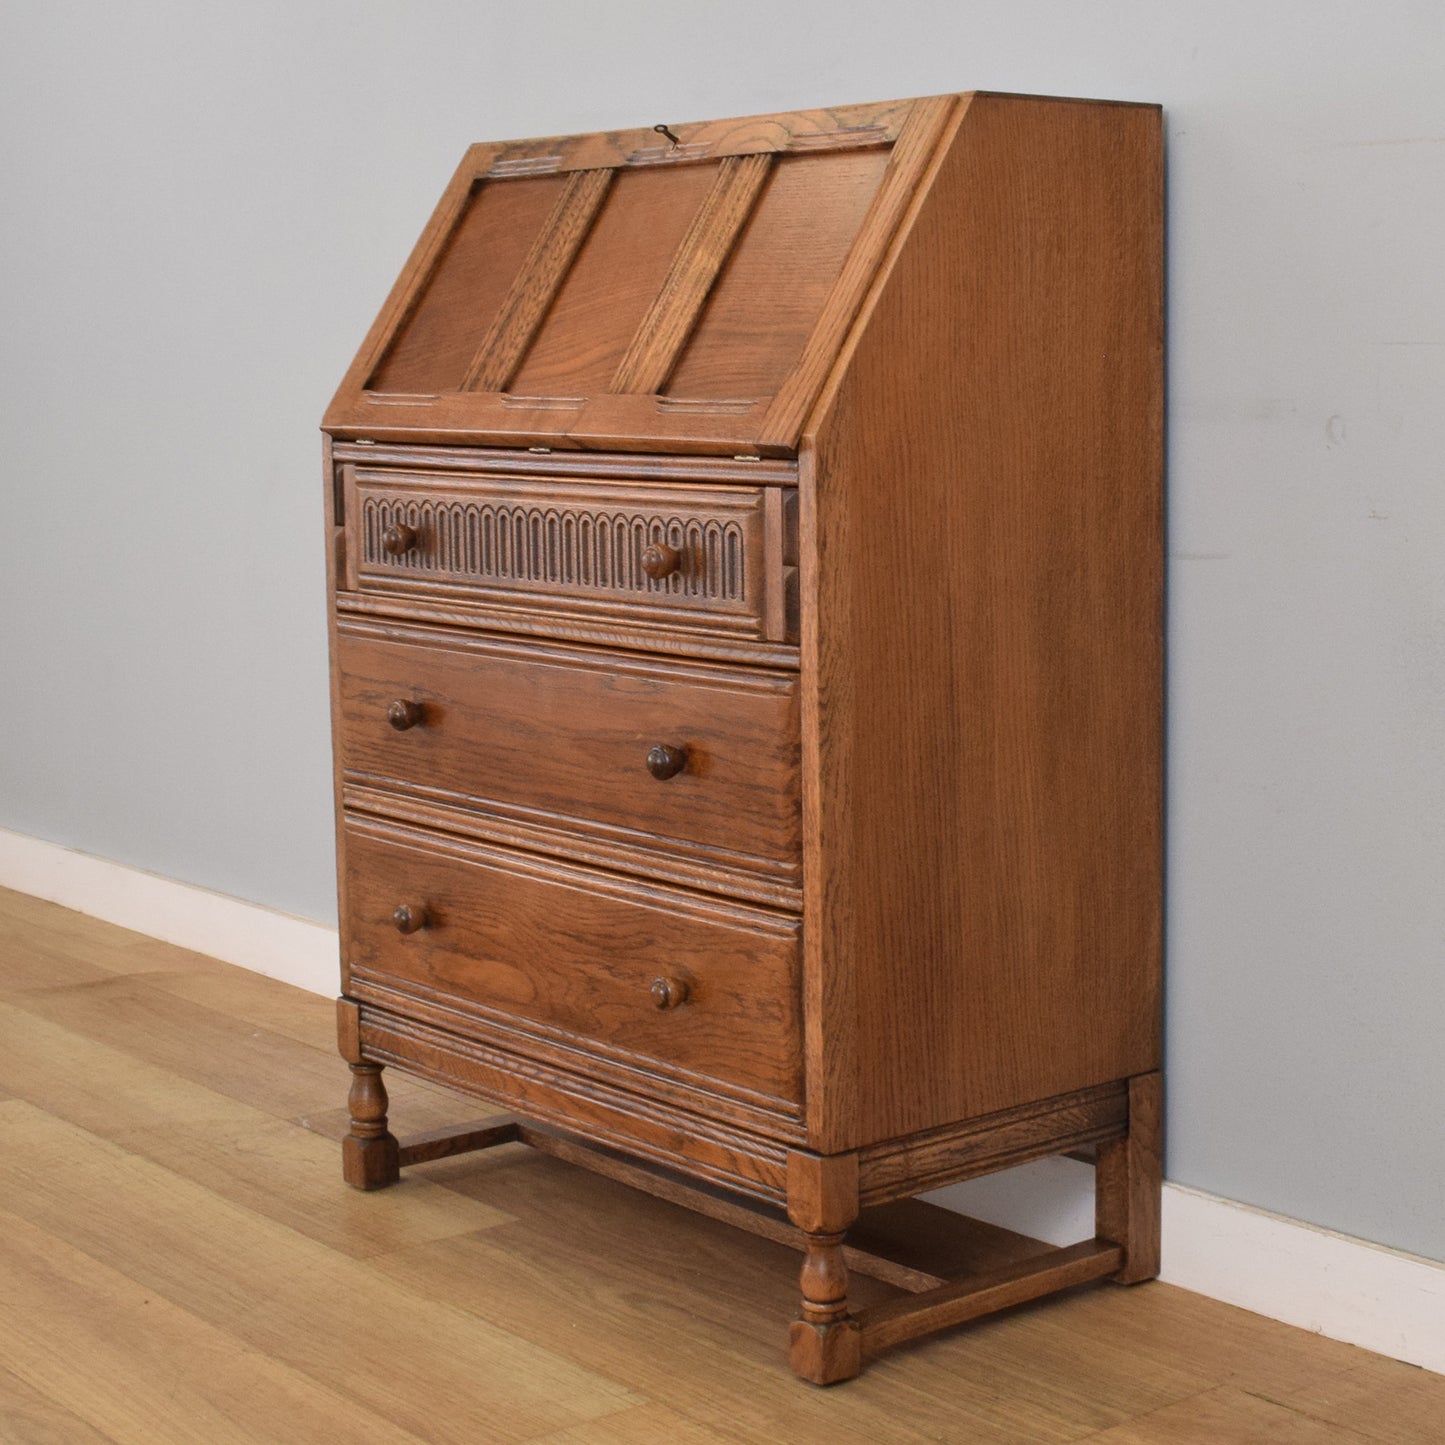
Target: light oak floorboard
<point x="137" y="1368"/>
<point x="288" y="1297"/>
<point x="238" y="1152"/>
<point x="29" y="1417"/>
<point x="581" y="1241"/>
<point x="682" y="1310"/>
<point x="1227" y="1415"/>
<point x="179" y="1260"/>
<point x="256" y="1066"/>
<point x="89" y="946"/>
<point x="647" y="1425"/>
<point x="265" y="1003"/>
<point x="1385" y="1400"/>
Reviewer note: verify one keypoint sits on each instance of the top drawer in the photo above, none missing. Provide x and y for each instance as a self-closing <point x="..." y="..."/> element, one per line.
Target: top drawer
<point x="712" y="559"/>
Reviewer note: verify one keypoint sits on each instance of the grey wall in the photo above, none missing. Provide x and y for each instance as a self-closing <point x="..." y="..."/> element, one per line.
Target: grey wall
<point x="204" y="205"/>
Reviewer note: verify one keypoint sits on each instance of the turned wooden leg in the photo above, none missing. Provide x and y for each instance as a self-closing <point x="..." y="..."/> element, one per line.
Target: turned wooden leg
<point x="1128" y="1181"/>
<point x="368" y="1153"/>
<point x="823" y="1343"/>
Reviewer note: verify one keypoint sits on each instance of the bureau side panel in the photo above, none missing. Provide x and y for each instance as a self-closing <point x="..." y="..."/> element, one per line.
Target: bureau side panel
<point x="982" y="638"/>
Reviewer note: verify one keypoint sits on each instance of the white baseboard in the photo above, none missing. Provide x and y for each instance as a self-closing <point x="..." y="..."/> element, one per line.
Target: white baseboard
<point x="1329" y="1283"/>
<point x="1332" y="1284"/>
<point x="279" y="945"/>
<point x="1346" y="1288"/>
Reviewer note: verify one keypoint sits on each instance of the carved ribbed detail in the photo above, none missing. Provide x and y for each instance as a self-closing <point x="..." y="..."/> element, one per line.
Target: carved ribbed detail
<point x="557" y="547"/>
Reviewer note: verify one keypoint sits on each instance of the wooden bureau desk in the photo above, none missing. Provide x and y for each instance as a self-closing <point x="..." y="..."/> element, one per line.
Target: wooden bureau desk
<point x="747" y="673"/>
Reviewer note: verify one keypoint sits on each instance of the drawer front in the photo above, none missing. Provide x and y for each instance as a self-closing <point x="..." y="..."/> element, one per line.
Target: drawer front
<point x="701" y="988"/>
<point x="702" y="558"/>
<point x="562" y="738"/>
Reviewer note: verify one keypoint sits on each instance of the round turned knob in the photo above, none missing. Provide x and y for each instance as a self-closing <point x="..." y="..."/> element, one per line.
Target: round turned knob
<point x="398" y="538"/>
<point x="402" y="714"/>
<point x="665" y="762"/>
<point x="408" y="919"/>
<point x="668" y="992"/>
<point x="659" y="560"/>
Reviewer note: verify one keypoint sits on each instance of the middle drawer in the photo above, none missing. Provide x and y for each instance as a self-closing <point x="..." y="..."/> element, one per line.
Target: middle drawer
<point x="616" y="750"/>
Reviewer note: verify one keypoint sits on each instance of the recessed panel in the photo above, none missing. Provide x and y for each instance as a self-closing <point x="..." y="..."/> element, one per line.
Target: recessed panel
<point x="467" y="285"/>
<point x="773" y="288"/>
<point x="617" y="273"/>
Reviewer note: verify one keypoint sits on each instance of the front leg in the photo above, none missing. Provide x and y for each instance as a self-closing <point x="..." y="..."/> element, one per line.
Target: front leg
<point x="369" y="1157"/>
<point x="369" y="1152"/>
<point x="823" y="1343"/>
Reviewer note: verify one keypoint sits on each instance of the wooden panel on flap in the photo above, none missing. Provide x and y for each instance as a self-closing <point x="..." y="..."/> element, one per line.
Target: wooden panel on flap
<point x="532" y="292"/>
<point x="772" y="290"/>
<point x="467" y="285"/>
<point x="706" y="246"/>
<point x="617" y="274"/>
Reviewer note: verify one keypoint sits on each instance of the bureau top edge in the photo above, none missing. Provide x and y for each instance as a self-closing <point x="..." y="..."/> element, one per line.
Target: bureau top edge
<point x="545" y="462"/>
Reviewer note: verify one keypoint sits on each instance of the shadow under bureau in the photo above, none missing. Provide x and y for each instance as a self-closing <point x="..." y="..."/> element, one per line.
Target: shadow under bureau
<point x="746" y="673"/>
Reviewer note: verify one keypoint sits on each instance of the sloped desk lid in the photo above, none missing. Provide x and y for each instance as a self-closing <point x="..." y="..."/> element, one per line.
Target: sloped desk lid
<point x="628" y="291"/>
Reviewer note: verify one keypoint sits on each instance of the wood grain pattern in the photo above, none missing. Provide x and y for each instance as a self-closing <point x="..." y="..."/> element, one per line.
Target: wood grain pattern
<point x="71" y="1327"/>
<point x="561" y="737"/>
<point x="885" y="1325"/>
<point x="258" y="1160"/>
<point x="560" y="1268"/>
<point x="578" y="951"/>
<point x="506" y="340"/>
<point x="1129" y="1176"/>
<point x="435" y="1144"/>
<point x="572" y="466"/>
<point x="772" y="291"/>
<point x="951" y="311"/>
<point x="578" y="314"/>
<point x="1235" y="1416"/>
<point x="654" y="1424"/>
<point x="447" y="1142"/>
<point x="204" y="1256"/>
<point x="531" y="1050"/>
<point x="530" y="621"/>
<point x="30" y="1417"/>
<point x="468" y="288"/>
<point x="658" y="339"/>
<point x="698" y="1144"/>
<point x="663" y="1184"/>
<point x="839" y="127"/>
<point x="753" y="880"/>
<point x="900" y="1167"/>
<point x="579" y="549"/>
<point x="929" y="124"/>
<point x="999" y="597"/>
<point x="618" y="273"/>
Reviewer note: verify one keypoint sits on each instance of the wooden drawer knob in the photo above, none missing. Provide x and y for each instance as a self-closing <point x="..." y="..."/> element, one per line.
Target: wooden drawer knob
<point x="659" y="560"/>
<point x="408" y="918"/>
<point x="665" y="762"/>
<point x="668" y="992"/>
<point x="402" y="714"/>
<point x="399" y="538"/>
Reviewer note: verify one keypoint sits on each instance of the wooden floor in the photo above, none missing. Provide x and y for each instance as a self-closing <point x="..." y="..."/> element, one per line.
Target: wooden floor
<point x="180" y="1262"/>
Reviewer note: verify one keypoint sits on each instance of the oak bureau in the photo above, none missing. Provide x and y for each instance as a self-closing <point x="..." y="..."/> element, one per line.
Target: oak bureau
<point x="746" y="666"/>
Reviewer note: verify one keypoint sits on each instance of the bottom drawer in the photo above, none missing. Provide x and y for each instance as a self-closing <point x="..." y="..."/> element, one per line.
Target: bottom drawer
<point x="645" y="974"/>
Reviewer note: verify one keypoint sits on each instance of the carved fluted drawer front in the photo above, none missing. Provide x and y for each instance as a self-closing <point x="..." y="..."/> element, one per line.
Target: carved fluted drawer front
<point x="575" y="746"/>
<point x="714" y="559"/>
<point x="704" y="990"/>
